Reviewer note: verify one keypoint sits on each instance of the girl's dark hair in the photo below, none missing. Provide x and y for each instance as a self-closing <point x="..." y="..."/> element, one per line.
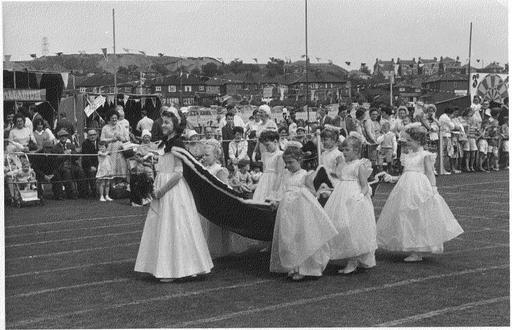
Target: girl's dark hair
<point x="329" y="133"/>
<point x="238" y="129"/>
<point x="282" y="128"/>
<point x="354" y="143"/>
<point x="38" y="122"/>
<point x="418" y="134"/>
<point x="111" y="113"/>
<point x="293" y="152"/>
<point x="180" y="126"/>
<point x="102" y="143"/>
<point x="269" y="136"/>
<point x="360" y="113"/>
<point x="18" y="115"/>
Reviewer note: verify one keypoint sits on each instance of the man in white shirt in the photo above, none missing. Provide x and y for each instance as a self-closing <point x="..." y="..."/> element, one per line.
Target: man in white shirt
<point x="145" y="123"/>
<point x="238" y="147"/>
<point x="446" y="125"/>
<point x="237" y="119"/>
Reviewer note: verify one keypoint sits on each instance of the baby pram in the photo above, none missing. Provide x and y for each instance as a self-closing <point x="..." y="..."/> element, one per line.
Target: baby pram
<point x="21" y="180"/>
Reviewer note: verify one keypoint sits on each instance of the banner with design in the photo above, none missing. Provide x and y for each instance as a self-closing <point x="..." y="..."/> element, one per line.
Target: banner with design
<point x="489" y="86"/>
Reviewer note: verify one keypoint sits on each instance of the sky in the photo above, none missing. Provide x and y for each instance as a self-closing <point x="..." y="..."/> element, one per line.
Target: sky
<point x="339" y="30"/>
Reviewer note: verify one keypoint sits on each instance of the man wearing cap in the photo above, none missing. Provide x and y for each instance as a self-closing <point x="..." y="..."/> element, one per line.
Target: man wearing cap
<point x="90" y="163"/>
<point x="66" y="171"/>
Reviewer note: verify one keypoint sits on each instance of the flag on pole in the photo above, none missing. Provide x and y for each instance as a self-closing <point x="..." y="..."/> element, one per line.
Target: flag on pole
<point x="143" y="53"/>
<point x="59" y="53"/>
<point x="318" y="59"/>
<point x="126" y="50"/>
<point x="303" y="56"/>
<point x="33" y="55"/>
<point x="255" y="60"/>
<point x="160" y="54"/>
<point x="104" y="51"/>
<point x="347" y="63"/>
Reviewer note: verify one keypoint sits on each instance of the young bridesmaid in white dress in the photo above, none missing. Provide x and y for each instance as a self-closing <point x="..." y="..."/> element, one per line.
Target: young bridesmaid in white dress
<point x="331" y="157"/>
<point x="172" y="244"/>
<point x="415" y="218"/>
<point x="351" y="210"/>
<point x="273" y="167"/>
<point x="302" y="228"/>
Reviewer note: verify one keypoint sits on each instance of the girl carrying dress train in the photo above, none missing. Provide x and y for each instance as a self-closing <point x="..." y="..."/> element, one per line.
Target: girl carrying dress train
<point x="415" y="218"/>
<point x="302" y="228"/>
<point x="273" y="167"/>
<point x="350" y="208"/>
<point x="172" y="244"/>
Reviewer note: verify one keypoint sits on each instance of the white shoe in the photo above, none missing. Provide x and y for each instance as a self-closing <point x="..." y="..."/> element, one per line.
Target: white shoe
<point x="136" y="205"/>
<point x="108" y="199"/>
<point x="166" y="280"/>
<point x="145" y="201"/>
<point x="128" y="188"/>
<point x="456" y="171"/>
<point x="349" y="268"/>
<point x="435" y="172"/>
<point x="413" y="258"/>
<point x="102" y="199"/>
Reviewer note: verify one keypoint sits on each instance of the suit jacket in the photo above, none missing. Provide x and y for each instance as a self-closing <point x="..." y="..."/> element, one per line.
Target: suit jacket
<point x="89" y="147"/>
<point x="63" y="160"/>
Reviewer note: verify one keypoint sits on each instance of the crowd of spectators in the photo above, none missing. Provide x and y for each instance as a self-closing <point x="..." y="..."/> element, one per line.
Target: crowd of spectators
<point x="472" y="139"/>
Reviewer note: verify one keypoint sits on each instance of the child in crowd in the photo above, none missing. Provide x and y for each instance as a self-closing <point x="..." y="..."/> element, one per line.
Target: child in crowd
<point x="237" y="147"/>
<point x="302" y="229"/>
<point x="24" y="176"/>
<point x="283" y="137"/>
<point x="172" y="244"/>
<point x="256" y="173"/>
<point x="273" y="168"/>
<point x="458" y="137"/>
<point x="469" y="147"/>
<point x="242" y="180"/>
<point x="493" y="141"/>
<point x="193" y="145"/>
<point x="351" y="210"/>
<point x="483" y="146"/>
<point x="402" y="145"/>
<point x="504" y="145"/>
<point x="331" y="157"/>
<point x="387" y="147"/>
<point x="104" y="172"/>
<point x="415" y="218"/>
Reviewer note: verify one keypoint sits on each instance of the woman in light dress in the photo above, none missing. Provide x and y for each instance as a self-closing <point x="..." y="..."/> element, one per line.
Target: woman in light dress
<point x="172" y="244"/>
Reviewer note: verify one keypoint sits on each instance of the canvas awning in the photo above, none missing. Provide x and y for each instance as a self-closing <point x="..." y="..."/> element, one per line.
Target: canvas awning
<point x="11" y="94"/>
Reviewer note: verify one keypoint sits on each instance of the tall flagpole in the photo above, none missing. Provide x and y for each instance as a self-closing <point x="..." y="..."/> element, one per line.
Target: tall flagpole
<point x="307" y="57"/>
<point x="115" y="69"/>
<point x="469" y="63"/>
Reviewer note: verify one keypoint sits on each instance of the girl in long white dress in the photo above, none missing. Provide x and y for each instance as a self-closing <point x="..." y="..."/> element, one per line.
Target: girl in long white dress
<point x="351" y="210"/>
<point x="331" y="157"/>
<point x="302" y="228"/>
<point x="416" y="218"/>
<point x="273" y="167"/>
<point x="172" y="244"/>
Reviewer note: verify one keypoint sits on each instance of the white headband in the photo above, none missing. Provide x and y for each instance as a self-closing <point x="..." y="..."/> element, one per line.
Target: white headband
<point x="175" y="112"/>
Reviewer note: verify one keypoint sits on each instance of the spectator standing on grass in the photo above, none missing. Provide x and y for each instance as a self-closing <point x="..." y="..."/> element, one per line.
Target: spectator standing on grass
<point x="173" y="243"/>
<point x="228" y="134"/>
<point x="115" y="135"/>
<point x="415" y="218"/>
<point x="446" y="126"/>
<point x="104" y="172"/>
<point x="237" y="147"/>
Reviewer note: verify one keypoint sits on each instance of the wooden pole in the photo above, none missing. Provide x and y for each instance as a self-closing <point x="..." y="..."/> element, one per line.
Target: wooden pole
<point x="469" y="63"/>
<point x="307" y="58"/>
<point x="114" y="40"/>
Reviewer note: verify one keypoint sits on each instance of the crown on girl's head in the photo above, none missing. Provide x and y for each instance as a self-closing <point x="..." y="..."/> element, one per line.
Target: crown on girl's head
<point x="296" y="144"/>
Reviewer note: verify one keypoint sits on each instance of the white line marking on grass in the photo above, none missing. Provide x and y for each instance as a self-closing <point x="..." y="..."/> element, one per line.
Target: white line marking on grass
<point x="472" y="250"/>
<point x="419" y="317"/>
<point x="122" y="261"/>
<point x="75" y="220"/>
<point x="473" y="184"/>
<point x="488" y="212"/>
<point x="72" y="229"/>
<point x="136" y="302"/>
<point x="71" y="251"/>
<point x="74" y="239"/>
<point x="305" y="301"/>
<point x="32" y="293"/>
<point x="478" y="241"/>
<point x="77" y="286"/>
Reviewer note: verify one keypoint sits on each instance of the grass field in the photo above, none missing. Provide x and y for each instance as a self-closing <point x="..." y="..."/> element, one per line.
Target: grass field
<point x="69" y="264"/>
